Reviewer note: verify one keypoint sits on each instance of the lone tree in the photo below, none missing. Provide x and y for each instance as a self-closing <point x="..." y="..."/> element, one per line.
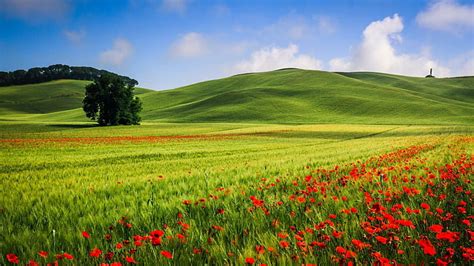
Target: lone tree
<point x="110" y="101"/>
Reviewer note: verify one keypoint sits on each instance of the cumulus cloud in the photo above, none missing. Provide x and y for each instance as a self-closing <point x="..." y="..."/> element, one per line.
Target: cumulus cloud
<point x="192" y="44"/>
<point x="377" y="53"/>
<point x="75" y="36"/>
<point x="267" y="59"/>
<point x="121" y="51"/>
<point x="447" y="15"/>
<point x="33" y="10"/>
<point x="178" y="6"/>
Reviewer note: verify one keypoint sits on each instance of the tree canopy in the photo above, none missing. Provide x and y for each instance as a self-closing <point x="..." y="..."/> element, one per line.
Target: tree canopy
<point x="111" y="101"/>
<point x="54" y="72"/>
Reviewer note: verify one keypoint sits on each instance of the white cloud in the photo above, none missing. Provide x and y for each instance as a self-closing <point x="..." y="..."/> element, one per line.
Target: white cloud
<point x="75" y="36"/>
<point x="178" y="6"/>
<point x="447" y="15"/>
<point x="34" y="10"/>
<point x="117" y="55"/>
<point x="267" y="59"/>
<point x="192" y="44"/>
<point x="377" y="53"/>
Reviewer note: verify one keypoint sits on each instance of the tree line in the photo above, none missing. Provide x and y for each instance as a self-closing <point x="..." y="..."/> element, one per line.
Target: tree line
<point x="54" y="72"/>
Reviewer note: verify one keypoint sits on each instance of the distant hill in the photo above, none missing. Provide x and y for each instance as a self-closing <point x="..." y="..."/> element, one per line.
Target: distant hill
<point x="290" y="96"/>
<point x="47" y="97"/>
<point x="55" y="72"/>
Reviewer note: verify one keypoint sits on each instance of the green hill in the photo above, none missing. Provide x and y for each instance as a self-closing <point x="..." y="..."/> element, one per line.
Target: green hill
<point x="47" y="97"/>
<point x="282" y="96"/>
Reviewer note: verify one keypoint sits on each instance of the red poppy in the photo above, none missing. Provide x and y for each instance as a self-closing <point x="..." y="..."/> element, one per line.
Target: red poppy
<point x="12" y="258"/>
<point x="32" y="263"/>
<point x="436" y="228"/>
<point x="95" y="253"/>
<point x="381" y="239"/>
<point x="68" y="256"/>
<point x="449" y="236"/>
<point x="427" y="247"/>
<point x="337" y="234"/>
<point x="340" y="250"/>
<point x="157" y="233"/>
<point x="43" y="254"/>
<point x="359" y="244"/>
<point x="166" y="254"/>
<point x="130" y="260"/>
<point x="260" y="249"/>
<point x="425" y="206"/>
<point x="85" y="234"/>
<point x="284" y="244"/>
<point x="249" y="261"/>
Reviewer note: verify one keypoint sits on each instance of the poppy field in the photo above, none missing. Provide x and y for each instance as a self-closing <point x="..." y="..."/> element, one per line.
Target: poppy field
<point x="236" y="194"/>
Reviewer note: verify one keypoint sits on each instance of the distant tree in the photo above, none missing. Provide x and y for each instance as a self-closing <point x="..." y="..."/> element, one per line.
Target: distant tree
<point x="110" y="101"/>
<point x="54" y="72"/>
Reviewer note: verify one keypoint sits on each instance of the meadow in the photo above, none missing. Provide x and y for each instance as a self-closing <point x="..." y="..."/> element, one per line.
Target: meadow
<point x="235" y="193"/>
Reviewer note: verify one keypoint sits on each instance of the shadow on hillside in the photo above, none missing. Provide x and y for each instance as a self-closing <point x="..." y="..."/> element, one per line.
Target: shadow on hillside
<point x="72" y="125"/>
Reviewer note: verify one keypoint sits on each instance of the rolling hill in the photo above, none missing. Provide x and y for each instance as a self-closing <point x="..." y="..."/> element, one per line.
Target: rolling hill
<point x="47" y="97"/>
<point x="281" y="96"/>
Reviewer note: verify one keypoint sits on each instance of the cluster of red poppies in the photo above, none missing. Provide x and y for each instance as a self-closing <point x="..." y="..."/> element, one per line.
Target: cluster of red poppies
<point x="395" y="208"/>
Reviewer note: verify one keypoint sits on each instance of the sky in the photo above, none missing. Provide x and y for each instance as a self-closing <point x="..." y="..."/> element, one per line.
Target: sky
<point x="166" y="44"/>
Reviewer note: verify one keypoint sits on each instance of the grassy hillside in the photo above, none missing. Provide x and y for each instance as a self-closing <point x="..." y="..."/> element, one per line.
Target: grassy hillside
<point x="300" y="96"/>
<point x="45" y="97"/>
<point x="292" y="96"/>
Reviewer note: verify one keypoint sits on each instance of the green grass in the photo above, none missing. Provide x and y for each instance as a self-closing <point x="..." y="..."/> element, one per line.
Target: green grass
<point x="283" y="96"/>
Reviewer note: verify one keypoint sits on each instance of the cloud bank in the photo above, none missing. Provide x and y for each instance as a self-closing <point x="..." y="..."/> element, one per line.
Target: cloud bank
<point x="267" y="59"/>
<point x="447" y="15"/>
<point x="377" y="53"/>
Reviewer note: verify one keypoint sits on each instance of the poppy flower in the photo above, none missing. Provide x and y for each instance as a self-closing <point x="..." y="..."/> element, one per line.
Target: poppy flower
<point x="32" y="263"/>
<point x="436" y="228"/>
<point x="68" y="256"/>
<point x="284" y="244"/>
<point x="12" y="258"/>
<point x="425" y="206"/>
<point x="359" y="244"/>
<point x="157" y="233"/>
<point x="166" y="254"/>
<point x="381" y="239"/>
<point x="427" y="247"/>
<point x="43" y="254"/>
<point x="449" y="236"/>
<point x="337" y="234"/>
<point x="249" y="261"/>
<point x="130" y="260"/>
<point x="260" y="249"/>
<point x="85" y="234"/>
<point x="95" y="253"/>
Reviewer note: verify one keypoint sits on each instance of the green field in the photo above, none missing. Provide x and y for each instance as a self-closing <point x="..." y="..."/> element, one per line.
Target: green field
<point x="242" y="161"/>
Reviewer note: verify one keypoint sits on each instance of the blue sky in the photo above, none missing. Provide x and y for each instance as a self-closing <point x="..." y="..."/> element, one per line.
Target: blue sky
<point x="169" y="43"/>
